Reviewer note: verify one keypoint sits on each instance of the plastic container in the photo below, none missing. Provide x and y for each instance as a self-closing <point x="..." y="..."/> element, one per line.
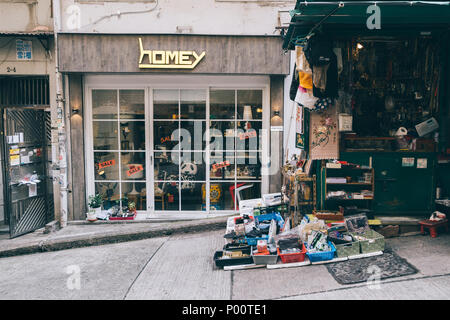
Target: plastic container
<point x="260" y="258"/>
<point x="292" y="257"/>
<point x="322" y="256"/>
<point x="271" y="216"/>
<point x="254" y="241"/>
<point x="232" y="261"/>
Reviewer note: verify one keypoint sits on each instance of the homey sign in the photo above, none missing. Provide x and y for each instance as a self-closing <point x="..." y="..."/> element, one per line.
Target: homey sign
<point x="165" y="59"/>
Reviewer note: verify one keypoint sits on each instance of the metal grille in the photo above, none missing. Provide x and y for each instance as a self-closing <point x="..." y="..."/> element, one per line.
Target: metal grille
<point x="29" y="214"/>
<point x="28" y="210"/>
<point x="24" y="91"/>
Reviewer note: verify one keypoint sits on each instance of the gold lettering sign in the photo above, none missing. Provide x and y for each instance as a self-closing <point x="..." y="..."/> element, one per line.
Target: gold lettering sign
<point x="158" y="59"/>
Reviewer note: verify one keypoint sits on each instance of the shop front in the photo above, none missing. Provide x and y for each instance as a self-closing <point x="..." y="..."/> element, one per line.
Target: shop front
<point x="26" y="95"/>
<point x="379" y="124"/>
<point x="176" y="125"/>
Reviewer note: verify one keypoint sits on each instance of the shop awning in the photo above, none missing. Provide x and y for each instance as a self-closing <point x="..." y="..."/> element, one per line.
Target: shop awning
<point x="349" y="18"/>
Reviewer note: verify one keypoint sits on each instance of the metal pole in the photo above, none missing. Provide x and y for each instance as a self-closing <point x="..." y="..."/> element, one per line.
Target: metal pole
<point x="61" y="161"/>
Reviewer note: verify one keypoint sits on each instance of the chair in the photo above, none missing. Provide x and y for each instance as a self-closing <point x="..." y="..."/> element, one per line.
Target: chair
<point x="238" y="188"/>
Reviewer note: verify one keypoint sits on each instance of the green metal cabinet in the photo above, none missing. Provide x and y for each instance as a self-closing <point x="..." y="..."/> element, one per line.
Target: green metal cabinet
<point x="399" y="189"/>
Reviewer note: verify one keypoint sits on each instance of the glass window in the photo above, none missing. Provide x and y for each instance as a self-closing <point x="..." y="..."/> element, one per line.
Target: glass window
<point x="134" y="192"/>
<point x="222" y="196"/>
<point x="104" y="104"/>
<point x="133" y="165"/>
<point x="191" y="196"/>
<point x="110" y="192"/>
<point x="167" y="196"/>
<point x="132" y="104"/>
<point x="166" y="166"/>
<point x="105" y="135"/>
<point x="222" y="166"/>
<point x="248" y="165"/>
<point x="166" y="135"/>
<point x="106" y="165"/>
<point x="192" y="166"/>
<point x="165" y="104"/>
<point x="132" y="135"/>
<point x="247" y="135"/>
<point x="249" y="104"/>
<point x="192" y="134"/>
<point x="193" y="104"/>
<point x="222" y="104"/>
<point x="222" y="135"/>
<point x="123" y="140"/>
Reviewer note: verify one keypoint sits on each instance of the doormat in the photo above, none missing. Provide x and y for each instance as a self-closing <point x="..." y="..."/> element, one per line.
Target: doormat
<point x="389" y="265"/>
<point x="324" y="135"/>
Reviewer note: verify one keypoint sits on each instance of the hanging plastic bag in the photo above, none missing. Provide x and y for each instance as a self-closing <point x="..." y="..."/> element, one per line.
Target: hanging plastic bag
<point x="306" y="99"/>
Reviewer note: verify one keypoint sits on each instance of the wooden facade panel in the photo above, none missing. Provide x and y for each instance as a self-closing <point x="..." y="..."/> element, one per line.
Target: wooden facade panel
<point x="78" y="195"/>
<point x="107" y="53"/>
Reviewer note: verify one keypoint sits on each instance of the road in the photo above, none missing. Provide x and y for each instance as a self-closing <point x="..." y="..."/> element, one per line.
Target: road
<point x="181" y="267"/>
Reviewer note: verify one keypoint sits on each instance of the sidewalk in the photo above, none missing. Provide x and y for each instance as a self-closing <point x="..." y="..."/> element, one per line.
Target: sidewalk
<point x="82" y="234"/>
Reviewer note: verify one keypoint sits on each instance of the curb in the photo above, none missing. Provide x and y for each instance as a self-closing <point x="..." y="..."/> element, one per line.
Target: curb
<point x="100" y="239"/>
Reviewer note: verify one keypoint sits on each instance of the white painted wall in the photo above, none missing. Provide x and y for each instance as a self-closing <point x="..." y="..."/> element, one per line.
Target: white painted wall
<point x="219" y="17"/>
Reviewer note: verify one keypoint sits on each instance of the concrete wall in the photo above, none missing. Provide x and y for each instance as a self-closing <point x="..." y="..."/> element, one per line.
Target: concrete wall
<point x="224" y="17"/>
<point x="25" y="15"/>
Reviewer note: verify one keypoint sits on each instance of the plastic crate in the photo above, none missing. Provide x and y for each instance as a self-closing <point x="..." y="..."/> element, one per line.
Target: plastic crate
<point x="232" y="261"/>
<point x="254" y="241"/>
<point x="375" y="241"/>
<point x="322" y="256"/>
<point x="259" y="258"/>
<point x="292" y="257"/>
<point x="271" y="216"/>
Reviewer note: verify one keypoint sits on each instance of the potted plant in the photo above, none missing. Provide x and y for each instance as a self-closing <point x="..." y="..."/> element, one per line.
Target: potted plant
<point x="95" y="206"/>
<point x="132" y="207"/>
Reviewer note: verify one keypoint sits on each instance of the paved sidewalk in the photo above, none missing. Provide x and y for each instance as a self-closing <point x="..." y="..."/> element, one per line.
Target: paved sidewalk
<point x="100" y="232"/>
<point x="83" y="233"/>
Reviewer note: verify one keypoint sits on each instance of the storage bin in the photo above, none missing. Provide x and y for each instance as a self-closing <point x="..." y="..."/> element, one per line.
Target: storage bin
<point x="232" y="261"/>
<point x="292" y="257"/>
<point x="375" y="241"/>
<point x="271" y="216"/>
<point x="264" y="258"/>
<point x="322" y="256"/>
<point x="348" y="249"/>
<point x="254" y="241"/>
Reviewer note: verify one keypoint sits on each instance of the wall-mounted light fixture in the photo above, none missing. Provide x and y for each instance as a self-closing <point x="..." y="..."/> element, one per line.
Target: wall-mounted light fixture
<point x="276" y="120"/>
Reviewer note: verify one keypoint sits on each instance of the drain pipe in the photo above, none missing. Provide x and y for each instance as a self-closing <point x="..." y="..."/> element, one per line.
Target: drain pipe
<point x="60" y="145"/>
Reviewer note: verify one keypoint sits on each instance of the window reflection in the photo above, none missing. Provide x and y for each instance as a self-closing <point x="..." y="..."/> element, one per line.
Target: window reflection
<point x="104" y="104"/>
<point x="105" y="135"/>
<point x="132" y="104"/>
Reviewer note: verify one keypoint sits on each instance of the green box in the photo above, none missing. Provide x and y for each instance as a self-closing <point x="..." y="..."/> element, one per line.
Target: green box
<point x="348" y="249"/>
<point x="374" y="242"/>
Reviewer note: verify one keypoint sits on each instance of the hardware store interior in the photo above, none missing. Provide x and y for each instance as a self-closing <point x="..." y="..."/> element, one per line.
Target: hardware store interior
<point x="371" y="133"/>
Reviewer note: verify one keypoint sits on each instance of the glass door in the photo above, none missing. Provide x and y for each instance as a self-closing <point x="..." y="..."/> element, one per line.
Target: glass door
<point x="179" y="123"/>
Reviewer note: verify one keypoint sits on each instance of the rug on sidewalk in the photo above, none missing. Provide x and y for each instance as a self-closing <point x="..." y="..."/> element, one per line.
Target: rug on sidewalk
<point x="387" y="265"/>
